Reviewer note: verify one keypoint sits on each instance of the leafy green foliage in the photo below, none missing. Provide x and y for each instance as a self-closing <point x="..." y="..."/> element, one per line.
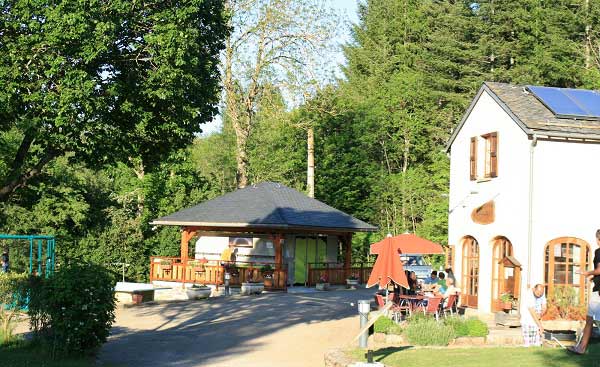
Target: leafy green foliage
<point x="458" y="324"/>
<point x="387" y="326"/>
<point x="428" y="331"/>
<point x="13" y="297"/>
<point x="73" y="310"/>
<point x="476" y="327"/>
<point x="467" y="327"/>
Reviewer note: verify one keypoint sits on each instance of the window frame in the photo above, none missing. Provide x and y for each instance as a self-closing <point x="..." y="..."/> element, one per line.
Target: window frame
<point x="550" y="265"/>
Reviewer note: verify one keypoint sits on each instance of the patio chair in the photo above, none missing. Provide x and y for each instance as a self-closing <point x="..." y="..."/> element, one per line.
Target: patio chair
<point x="395" y="310"/>
<point x="449" y="305"/>
<point x="433" y="307"/>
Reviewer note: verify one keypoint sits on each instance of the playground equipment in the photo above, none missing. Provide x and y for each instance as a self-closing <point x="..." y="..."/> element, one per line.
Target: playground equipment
<point x="41" y="262"/>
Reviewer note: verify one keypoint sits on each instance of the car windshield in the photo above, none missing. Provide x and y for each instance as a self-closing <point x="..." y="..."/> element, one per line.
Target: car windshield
<point x="413" y="260"/>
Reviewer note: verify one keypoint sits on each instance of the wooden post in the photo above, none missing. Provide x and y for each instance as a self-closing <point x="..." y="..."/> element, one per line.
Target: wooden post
<point x="348" y="255"/>
<point x="278" y="252"/>
<point x="186" y="236"/>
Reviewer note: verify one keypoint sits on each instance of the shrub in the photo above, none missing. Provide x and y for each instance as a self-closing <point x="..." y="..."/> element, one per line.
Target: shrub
<point x="476" y="327"/>
<point x="428" y="331"/>
<point x="73" y="310"/>
<point x="458" y="324"/>
<point x="387" y="326"/>
<point x="13" y="298"/>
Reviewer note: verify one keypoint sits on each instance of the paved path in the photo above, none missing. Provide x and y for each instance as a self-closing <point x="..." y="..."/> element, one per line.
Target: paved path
<point x="286" y="330"/>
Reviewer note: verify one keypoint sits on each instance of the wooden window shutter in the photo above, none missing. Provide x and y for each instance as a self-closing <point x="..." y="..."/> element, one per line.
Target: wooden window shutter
<point x="473" y="158"/>
<point x="493" y="154"/>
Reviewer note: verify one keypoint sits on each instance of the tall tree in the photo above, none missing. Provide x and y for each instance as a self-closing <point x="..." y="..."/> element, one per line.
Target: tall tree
<point x="273" y="43"/>
<point x="104" y="80"/>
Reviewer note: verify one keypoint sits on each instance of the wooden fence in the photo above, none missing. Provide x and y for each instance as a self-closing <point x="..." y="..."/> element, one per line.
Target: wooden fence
<point x="336" y="273"/>
<point x="171" y="269"/>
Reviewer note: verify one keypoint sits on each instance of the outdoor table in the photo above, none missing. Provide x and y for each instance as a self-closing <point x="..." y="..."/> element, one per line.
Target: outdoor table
<point x="413" y="302"/>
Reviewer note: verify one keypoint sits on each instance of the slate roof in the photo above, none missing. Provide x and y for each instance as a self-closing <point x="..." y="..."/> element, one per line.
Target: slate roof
<point x="266" y="205"/>
<point x="531" y="114"/>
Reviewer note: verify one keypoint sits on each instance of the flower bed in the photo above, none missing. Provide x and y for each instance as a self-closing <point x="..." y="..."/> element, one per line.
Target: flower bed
<point x="426" y="331"/>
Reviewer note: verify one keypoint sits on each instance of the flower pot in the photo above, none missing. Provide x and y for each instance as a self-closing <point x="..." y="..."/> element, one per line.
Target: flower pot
<point x="352" y="283"/>
<point x="268" y="282"/>
<point x="198" y="292"/>
<point x="322" y="286"/>
<point x="137" y="298"/>
<point x="252" y="288"/>
<point x="506" y="305"/>
<point x="166" y="267"/>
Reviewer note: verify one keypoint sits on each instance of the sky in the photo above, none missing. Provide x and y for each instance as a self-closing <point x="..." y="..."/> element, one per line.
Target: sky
<point x="348" y="11"/>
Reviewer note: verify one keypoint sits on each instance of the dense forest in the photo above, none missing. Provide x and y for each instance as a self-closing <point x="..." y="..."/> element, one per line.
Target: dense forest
<point x="100" y="122"/>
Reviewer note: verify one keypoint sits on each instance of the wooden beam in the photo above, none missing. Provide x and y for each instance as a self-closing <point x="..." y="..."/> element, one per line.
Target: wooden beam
<point x="186" y="235"/>
<point x="347" y="255"/>
<point x="278" y="251"/>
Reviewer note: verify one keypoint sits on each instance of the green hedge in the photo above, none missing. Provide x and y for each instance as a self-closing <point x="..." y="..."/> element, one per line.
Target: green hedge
<point x="73" y="310"/>
<point x="387" y="326"/>
<point x="428" y="331"/>
<point x="467" y="327"/>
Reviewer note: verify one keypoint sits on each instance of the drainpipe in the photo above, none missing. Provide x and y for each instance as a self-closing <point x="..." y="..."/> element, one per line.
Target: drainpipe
<point x="530" y="227"/>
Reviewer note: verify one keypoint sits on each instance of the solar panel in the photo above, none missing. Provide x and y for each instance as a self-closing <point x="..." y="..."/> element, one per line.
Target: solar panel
<point x="572" y="103"/>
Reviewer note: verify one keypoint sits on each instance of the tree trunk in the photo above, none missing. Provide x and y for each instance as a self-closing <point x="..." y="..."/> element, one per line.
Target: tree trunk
<point x="588" y="38"/>
<point x="242" y="159"/>
<point x="310" y="174"/>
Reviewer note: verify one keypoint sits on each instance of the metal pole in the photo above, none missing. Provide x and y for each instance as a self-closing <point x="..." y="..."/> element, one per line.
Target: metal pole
<point x="364" y="307"/>
<point x="39" y="257"/>
<point x="227" y="276"/>
<point x="30" y="255"/>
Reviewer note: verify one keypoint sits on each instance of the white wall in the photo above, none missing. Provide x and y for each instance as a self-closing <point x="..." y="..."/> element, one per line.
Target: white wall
<point x="566" y="196"/>
<point x="509" y="191"/>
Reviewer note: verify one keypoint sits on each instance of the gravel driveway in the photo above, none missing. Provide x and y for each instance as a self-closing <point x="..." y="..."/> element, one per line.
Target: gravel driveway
<point x="266" y="330"/>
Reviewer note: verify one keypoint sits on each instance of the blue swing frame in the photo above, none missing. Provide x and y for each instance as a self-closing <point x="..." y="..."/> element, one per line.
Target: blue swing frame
<point x="39" y="239"/>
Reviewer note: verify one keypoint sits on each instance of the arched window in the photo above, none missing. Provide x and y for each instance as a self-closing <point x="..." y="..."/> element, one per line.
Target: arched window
<point x="504" y="280"/>
<point x="470" y="269"/>
<point x="564" y="258"/>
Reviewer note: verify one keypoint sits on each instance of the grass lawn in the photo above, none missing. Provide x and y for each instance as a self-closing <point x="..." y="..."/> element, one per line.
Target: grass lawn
<point x="27" y="355"/>
<point x="488" y="357"/>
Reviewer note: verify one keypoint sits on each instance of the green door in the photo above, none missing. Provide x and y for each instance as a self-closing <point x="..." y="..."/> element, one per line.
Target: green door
<point x="300" y="260"/>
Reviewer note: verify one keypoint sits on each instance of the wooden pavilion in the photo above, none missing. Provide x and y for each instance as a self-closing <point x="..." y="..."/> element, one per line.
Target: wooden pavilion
<point x="274" y="212"/>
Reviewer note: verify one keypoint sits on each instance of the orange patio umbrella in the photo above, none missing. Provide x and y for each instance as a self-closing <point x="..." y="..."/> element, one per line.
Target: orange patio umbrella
<point x="408" y="243"/>
<point x="388" y="267"/>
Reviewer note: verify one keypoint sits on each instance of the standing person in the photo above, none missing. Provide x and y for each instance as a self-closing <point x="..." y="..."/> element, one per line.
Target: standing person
<point x="4" y="259"/>
<point x="533" y="307"/>
<point x="593" y="314"/>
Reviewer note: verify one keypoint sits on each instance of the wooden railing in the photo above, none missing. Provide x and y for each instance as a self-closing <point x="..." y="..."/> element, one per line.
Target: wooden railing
<point x="171" y="269"/>
<point x="336" y="273"/>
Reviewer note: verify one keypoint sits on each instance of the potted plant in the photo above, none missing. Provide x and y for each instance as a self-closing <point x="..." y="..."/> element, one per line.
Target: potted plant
<point x="267" y="273"/>
<point x="166" y="265"/>
<point x="564" y="312"/>
<point x="251" y="286"/>
<point x="323" y="283"/>
<point x="198" y="291"/>
<point x="198" y="265"/>
<point x="506" y="301"/>
<point x="352" y="281"/>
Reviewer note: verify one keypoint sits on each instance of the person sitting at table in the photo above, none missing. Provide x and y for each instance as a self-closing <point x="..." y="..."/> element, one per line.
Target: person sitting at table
<point x="442" y="282"/>
<point x="450" y="290"/>
<point x="432" y="279"/>
<point x="414" y="286"/>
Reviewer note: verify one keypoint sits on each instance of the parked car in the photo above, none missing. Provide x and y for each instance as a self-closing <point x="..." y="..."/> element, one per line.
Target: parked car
<point x="418" y="264"/>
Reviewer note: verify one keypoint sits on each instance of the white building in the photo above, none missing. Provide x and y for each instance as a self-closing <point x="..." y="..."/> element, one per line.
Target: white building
<point x="524" y="190"/>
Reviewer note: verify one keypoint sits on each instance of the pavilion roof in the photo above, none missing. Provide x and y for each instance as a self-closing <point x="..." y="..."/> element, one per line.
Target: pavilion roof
<point x="265" y="206"/>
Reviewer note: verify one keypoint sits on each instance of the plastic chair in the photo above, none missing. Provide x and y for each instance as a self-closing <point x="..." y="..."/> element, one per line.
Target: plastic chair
<point x="449" y="305"/>
<point x="433" y="307"/>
